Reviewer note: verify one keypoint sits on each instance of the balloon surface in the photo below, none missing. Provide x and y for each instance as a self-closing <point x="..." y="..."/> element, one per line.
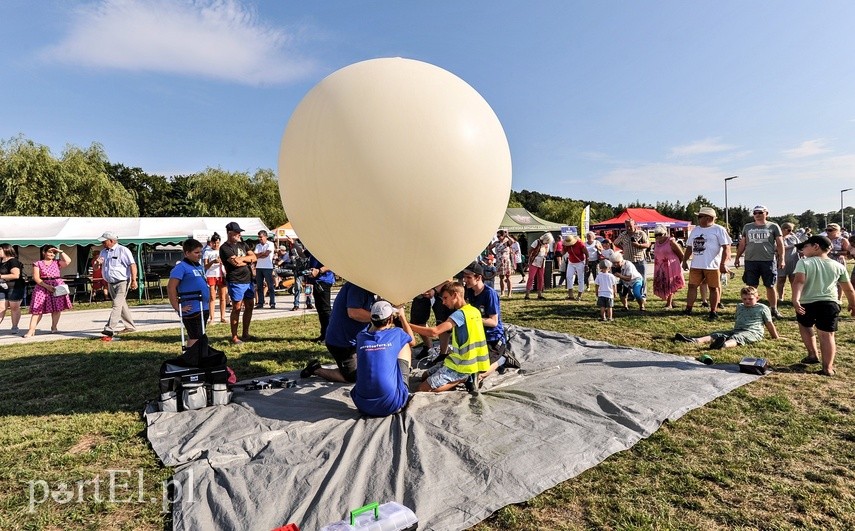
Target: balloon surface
<point x="395" y="174"/>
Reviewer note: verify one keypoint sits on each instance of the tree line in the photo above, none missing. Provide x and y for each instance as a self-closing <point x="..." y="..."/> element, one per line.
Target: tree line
<point x="84" y="182"/>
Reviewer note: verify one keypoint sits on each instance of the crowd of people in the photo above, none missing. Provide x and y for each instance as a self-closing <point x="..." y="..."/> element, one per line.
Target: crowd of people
<point x="373" y="343"/>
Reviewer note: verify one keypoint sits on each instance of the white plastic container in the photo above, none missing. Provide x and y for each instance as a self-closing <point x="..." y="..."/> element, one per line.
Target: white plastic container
<point x="390" y="516"/>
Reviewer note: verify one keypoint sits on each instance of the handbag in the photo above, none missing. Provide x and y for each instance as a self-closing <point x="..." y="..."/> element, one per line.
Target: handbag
<point x="60" y="291"/>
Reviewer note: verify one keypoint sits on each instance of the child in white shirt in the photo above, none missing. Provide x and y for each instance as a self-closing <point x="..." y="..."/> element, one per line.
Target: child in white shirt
<point x="606" y="290"/>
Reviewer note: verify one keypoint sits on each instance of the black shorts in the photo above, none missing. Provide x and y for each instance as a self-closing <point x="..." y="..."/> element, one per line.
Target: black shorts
<point x="193" y="324"/>
<point x="345" y="358"/>
<point x="440" y="312"/>
<point x="823" y="314"/>
<point x="757" y="269"/>
<point x="420" y="310"/>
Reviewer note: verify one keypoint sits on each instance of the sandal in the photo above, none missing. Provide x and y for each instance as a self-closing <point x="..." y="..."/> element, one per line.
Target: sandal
<point x="310" y="369"/>
<point x="827" y="372"/>
<point x="809" y="360"/>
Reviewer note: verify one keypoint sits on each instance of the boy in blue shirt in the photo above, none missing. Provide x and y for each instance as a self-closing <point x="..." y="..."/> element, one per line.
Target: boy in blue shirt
<point x="188" y="275"/>
<point x="485" y="299"/>
<point x="383" y="354"/>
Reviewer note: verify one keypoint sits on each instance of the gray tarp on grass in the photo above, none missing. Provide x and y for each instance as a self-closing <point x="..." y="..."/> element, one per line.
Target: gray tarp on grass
<point x="305" y="455"/>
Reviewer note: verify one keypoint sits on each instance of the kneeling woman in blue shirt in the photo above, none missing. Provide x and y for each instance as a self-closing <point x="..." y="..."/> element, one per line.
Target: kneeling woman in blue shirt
<point x="188" y="275"/>
<point x="383" y="354"/>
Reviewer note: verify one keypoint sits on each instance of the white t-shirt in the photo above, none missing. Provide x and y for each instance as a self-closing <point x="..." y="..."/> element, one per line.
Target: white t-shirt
<point x="215" y="271"/>
<point x="592" y="251"/>
<point x="267" y="261"/>
<point x="515" y="249"/>
<point x="628" y="269"/>
<point x="706" y="243"/>
<point x="606" y="283"/>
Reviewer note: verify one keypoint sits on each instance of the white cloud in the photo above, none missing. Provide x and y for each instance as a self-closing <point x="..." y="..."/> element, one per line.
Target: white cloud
<point x="701" y="147"/>
<point x="664" y="179"/>
<point x="220" y="39"/>
<point x="808" y="148"/>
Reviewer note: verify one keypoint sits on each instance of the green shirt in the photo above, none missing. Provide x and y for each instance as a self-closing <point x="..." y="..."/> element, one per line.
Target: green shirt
<point x="752" y="319"/>
<point x="821" y="278"/>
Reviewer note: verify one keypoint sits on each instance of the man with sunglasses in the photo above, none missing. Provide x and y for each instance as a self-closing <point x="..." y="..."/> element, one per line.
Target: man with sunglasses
<point x="762" y="243"/>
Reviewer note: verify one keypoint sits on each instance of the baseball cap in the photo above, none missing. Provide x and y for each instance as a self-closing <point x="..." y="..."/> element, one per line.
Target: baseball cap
<point x="823" y="242"/>
<point x="283" y="248"/>
<point x="706" y="211"/>
<point x="233" y="227"/>
<point x="109" y="235"/>
<point x="760" y="208"/>
<point x="474" y="268"/>
<point x="381" y="310"/>
<point x="832" y="226"/>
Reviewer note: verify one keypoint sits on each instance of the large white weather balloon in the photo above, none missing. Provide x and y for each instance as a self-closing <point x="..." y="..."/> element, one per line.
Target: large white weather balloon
<point x="395" y="173"/>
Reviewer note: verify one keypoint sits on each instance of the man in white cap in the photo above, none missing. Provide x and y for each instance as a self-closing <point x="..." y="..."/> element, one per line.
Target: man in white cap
<point x="384" y="354"/>
<point x="120" y="272"/>
<point x="761" y="242"/>
<point x="709" y="244"/>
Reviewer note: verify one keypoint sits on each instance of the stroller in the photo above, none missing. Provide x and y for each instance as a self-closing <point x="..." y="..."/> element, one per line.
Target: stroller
<point x="186" y="382"/>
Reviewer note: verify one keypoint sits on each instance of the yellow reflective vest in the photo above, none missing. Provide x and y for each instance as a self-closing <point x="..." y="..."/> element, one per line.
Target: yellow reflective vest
<point x="474" y="355"/>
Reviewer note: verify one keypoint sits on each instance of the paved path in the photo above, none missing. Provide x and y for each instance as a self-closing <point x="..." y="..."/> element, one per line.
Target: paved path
<point x="76" y="324"/>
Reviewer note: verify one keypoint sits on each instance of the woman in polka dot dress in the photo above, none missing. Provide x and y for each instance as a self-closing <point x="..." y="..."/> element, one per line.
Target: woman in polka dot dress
<point x="47" y="276"/>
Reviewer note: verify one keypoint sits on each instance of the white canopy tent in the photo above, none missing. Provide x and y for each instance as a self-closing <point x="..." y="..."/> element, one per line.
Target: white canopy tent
<point x="75" y="234"/>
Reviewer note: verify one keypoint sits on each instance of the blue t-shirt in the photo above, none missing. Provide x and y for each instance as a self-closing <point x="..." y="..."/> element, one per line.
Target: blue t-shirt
<point x="191" y="277"/>
<point x="487" y="302"/>
<point x="458" y="318"/>
<point x="380" y="388"/>
<point x="327" y="276"/>
<point x="342" y="330"/>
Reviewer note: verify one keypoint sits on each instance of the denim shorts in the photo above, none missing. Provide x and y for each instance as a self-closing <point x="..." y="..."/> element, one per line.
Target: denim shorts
<point x="443" y="376"/>
<point x="756" y="270"/>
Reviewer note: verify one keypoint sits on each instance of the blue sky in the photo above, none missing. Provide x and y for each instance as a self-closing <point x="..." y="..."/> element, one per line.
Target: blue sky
<point x="605" y="101"/>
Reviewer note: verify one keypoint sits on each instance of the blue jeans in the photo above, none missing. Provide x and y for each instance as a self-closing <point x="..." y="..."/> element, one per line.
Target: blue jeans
<point x="262" y="276"/>
<point x="641" y="266"/>
<point x="298" y="292"/>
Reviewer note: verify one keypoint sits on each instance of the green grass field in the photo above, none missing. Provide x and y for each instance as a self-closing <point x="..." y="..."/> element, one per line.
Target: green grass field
<point x="776" y="454"/>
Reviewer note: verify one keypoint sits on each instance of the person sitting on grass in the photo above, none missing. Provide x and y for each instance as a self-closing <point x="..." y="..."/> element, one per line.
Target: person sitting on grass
<point x="631" y="279"/>
<point x="469" y="353"/>
<point x="751" y="317"/>
<point x="815" y="300"/>
<point x="383" y="354"/>
<point x="606" y="290"/>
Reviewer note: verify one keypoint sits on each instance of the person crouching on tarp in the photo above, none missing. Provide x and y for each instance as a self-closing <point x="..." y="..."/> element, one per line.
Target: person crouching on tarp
<point x="469" y="352"/>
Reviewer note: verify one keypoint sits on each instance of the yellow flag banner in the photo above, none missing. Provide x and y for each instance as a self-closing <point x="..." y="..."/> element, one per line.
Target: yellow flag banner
<point x="585" y="222"/>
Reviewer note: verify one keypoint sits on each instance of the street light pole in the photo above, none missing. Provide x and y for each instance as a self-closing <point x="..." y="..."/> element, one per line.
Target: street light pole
<point x="726" y="211"/>
<point x="842" y="221"/>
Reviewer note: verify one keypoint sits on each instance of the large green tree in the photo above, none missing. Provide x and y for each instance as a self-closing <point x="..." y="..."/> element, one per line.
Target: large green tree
<point x="152" y="193"/>
<point x="217" y="192"/>
<point x="35" y="183"/>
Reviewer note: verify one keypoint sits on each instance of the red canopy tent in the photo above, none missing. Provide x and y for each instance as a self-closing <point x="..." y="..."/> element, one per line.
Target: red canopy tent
<point x="646" y="218"/>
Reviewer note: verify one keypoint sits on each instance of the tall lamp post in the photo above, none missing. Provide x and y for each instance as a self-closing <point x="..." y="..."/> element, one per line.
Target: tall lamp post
<point x="726" y="211"/>
<point x="842" y="221"/>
